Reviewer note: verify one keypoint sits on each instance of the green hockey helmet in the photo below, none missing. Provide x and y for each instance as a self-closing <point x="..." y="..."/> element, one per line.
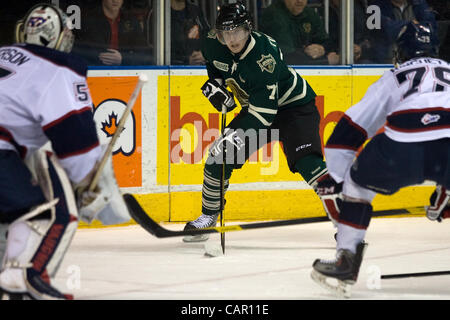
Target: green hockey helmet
<point x="233" y="22"/>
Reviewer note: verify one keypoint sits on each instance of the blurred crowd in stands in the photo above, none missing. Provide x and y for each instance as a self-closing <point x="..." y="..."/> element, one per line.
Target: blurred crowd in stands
<point x="122" y="32"/>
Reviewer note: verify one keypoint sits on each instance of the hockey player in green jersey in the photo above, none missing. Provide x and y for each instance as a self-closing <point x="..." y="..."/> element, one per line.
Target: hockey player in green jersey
<point x="276" y="104"/>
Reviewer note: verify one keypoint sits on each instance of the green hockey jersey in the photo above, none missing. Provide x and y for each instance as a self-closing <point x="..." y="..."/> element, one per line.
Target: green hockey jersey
<point x="258" y="77"/>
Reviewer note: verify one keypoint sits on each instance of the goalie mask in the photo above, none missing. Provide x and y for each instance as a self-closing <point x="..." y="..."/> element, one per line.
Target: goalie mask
<point x="45" y="25"/>
<point x="233" y="24"/>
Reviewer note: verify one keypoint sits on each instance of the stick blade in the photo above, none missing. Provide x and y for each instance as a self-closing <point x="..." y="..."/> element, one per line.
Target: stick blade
<point x="139" y="215"/>
<point x="213" y="250"/>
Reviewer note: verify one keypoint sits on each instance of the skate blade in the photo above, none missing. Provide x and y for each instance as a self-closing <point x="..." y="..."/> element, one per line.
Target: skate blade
<point x="341" y="289"/>
<point x="196" y="238"/>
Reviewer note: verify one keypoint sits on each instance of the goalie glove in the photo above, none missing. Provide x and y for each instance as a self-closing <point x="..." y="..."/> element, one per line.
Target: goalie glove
<point x="89" y="203"/>
<point x="105" y="202"/>
<point x="439" y="204"/>
<point x="330" y="193"/>
<point x="218" y="95"/>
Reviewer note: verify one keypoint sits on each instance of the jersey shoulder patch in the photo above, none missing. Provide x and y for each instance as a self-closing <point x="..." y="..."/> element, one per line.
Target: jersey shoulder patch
<point x="265" y="53"/>
<point x="267" y="63"/>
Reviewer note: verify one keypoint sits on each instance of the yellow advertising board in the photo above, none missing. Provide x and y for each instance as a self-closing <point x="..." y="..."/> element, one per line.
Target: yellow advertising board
<point x="162" y="151"/>
<point x="194" y="125"/>
<point x="264" y="188"/>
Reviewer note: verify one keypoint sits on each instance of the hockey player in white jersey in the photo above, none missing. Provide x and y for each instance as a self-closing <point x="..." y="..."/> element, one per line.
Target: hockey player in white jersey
<point x="412" y="102"/>
<point x="44" y="98"/>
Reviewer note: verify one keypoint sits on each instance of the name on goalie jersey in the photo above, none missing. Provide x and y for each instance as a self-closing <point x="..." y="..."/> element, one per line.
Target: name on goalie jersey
<point x="13" y="56"/>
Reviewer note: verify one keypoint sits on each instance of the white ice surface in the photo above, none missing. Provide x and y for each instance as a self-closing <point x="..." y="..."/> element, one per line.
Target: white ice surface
<point x="261" y="264"/>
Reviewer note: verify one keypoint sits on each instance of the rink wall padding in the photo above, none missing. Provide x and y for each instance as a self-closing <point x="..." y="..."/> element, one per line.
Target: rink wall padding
<point x="160" y="154"/>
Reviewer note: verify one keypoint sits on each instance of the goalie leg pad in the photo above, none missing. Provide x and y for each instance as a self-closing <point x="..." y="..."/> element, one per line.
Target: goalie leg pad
<point x="38" y="241"/>
<point x="64" y="223"/>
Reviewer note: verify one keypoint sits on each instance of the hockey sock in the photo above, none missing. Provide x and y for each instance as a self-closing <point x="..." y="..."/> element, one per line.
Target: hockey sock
<point x="311" y="167"/>
<point x="354" y="220"/>
<point x="349" y="237"/>
<point x="211" y="193"/>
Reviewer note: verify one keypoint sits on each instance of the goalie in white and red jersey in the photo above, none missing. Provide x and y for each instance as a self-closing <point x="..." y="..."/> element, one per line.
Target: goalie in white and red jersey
<point x="412" y="102"/>
<point x="44" y="98"/>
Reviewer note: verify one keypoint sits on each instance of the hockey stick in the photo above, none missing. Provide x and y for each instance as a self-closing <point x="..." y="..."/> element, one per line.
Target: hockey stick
<point x="415" y="274"/>
<point x="142" y="218"/>
<point x="222" y="178"/>
<point x="141" y="81"/>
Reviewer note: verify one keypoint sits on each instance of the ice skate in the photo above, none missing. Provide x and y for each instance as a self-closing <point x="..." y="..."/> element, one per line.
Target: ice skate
<point x="340" y="274"/>
<point x="204" y="221"/>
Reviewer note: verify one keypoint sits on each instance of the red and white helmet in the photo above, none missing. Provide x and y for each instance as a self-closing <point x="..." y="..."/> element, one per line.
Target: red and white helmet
<point x="46" y="25"/>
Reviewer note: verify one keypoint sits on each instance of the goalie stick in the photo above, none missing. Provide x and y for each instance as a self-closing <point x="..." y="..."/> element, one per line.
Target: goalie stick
<point x="151" y="226"/>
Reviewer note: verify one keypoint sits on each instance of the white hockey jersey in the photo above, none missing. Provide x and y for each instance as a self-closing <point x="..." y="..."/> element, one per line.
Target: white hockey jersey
<point x="412" y="102"/>
<point x="44" y="97"/>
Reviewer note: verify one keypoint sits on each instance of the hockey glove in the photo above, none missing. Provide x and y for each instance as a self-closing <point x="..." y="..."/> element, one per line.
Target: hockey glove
<point x="89" y="203"/>
<point x="218" y="95"/>
<point x="439" y="204"/>
<point x="329" y="192"/>
<point x="105" y="203"/>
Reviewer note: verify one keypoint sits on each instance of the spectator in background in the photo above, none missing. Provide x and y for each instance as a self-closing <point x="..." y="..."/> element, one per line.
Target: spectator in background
<point x="111" y="36"/>
<point x="394" y="15"/>
<point x="187" y="25"/>
<point x="142" y="10"/>
<point x="9" y="14"/>
<point x="299" y="31"/>
<point x="362" y="44"/>
<point x="442" y="11"/>
<point x="440" y="8"/>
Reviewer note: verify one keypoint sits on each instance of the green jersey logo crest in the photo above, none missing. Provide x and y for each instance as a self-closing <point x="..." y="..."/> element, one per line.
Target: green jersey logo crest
<point x="267" y="63"/>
